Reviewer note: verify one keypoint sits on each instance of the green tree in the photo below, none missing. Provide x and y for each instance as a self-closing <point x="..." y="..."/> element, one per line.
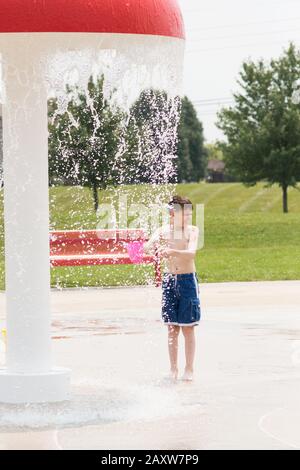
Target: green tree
<point x="214" y="151"/>
<point x="84" y="141"/>
<point x="152" y="137"/>
<point x="192" y="155"/>
<point x="263" y="127"/>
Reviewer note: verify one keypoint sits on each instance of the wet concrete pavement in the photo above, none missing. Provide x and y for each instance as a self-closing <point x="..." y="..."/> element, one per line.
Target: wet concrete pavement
<point x="247" y="373"/>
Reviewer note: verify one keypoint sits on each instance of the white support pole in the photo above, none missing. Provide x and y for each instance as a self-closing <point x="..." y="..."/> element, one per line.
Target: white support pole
<point x="29" y="376"/>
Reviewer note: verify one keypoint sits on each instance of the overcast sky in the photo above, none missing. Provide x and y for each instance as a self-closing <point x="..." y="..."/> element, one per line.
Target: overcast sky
<point x="221" y="34"/>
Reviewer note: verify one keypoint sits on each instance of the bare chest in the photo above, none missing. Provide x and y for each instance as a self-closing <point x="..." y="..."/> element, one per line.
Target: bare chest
<point x="177" y="240"/>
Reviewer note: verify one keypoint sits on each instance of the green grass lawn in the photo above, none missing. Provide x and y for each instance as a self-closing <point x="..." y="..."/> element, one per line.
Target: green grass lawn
<point x="247" y="236"/>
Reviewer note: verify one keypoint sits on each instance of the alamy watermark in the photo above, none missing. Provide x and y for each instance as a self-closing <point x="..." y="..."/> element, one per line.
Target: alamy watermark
<point x="150" y="218"/>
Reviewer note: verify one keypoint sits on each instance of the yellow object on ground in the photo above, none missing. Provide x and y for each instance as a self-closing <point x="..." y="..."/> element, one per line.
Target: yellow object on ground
<point x="3" y="334"/>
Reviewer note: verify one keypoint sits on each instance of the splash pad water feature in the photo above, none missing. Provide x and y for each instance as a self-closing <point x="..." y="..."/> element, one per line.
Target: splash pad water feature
<point x="39" y="42"/>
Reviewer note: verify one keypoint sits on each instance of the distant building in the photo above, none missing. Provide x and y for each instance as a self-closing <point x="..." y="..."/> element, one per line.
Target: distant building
<point x="215" y="171"/>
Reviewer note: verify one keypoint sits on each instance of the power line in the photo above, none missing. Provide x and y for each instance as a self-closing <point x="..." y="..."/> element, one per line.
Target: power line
<point x="212" y="111"/>
<point x="212" y="104"/>
<point x="202" y="10"/>
<point x="207" y="104"/>
<point x="236" y="46"/>
<point x="242" y="24"/>
<point x="213" y="101"/>
<point x="208" y="110"/>
<point x="244" y="35"/>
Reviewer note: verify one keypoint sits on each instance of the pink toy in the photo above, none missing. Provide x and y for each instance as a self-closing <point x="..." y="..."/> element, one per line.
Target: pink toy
<point x="135" y="251"/>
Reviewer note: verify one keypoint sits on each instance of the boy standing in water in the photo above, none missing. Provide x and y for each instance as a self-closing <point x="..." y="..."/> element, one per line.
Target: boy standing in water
<point x="177" y="245"/>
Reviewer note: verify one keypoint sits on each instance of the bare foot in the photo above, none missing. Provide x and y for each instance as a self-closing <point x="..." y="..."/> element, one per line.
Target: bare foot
<point x="172" y="375"/>
<point x="188" y="375"/>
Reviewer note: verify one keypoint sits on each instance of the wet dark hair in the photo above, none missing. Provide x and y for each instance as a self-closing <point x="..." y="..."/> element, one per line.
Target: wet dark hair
<point x="179" y="201"/>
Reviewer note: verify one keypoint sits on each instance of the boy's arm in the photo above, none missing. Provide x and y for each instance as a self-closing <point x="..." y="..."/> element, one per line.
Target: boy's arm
<point x="153" y="241"/>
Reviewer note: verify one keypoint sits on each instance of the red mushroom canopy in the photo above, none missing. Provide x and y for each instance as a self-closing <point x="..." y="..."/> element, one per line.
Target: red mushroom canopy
<point x="155" y="17"/>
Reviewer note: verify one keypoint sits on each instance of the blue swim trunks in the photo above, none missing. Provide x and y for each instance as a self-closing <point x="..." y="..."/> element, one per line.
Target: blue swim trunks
<point x="180" y="299"/>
